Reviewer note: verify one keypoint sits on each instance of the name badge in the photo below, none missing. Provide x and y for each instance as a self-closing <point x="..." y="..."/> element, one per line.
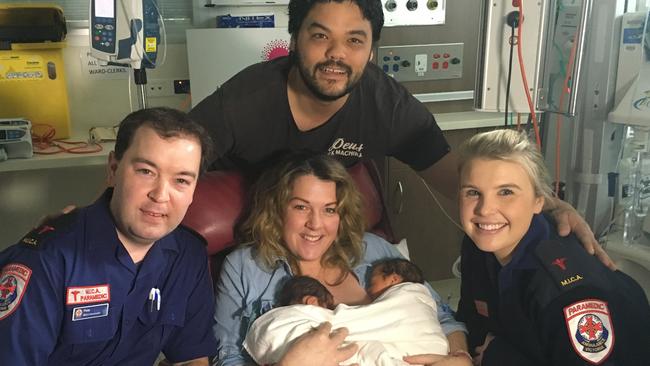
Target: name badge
<point x="89" y="312"/>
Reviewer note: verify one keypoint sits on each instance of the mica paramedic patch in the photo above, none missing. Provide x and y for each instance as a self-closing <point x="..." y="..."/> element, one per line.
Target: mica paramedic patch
<point x="590" y="329"/>
<point x="87" y="294"/>
<point x="89" y="312"/>
<point x="13" y="283"/>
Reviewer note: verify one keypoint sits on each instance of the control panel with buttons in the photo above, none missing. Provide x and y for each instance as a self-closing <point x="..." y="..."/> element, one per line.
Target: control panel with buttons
<point x="103" y="25"/>
<point x="422" y="62"/>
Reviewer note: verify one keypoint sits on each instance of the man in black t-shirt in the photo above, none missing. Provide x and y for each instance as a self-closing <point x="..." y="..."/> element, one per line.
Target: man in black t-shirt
<point x="326" y="96"/>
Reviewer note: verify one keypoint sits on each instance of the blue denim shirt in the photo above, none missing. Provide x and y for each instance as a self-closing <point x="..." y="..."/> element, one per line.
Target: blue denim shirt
<point x="246" y="290"/>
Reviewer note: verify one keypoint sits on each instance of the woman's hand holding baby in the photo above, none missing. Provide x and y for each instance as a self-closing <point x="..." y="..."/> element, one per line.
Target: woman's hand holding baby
<point x="319" y="347"/>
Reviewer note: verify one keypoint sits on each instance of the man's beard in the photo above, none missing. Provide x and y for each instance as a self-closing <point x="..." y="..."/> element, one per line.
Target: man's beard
<point x="309" y="77"/>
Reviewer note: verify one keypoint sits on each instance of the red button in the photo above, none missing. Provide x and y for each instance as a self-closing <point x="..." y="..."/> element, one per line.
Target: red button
<point x="445" y="65"/>
<point x="435" y="65"/>
<point x="446" y="55"/>
<point x="436" y="55"/>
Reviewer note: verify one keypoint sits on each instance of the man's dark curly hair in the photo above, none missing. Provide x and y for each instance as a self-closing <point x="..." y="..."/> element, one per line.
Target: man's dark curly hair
<point x="371" y="9"/>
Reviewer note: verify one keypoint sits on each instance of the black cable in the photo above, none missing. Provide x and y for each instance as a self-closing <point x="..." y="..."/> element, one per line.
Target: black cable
<point x="513" y="22"/>
<point x="541" y="127"/>
<point x="509" y="75"/>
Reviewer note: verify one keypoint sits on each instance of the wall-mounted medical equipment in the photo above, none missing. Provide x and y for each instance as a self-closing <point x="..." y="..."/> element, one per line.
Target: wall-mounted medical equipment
<point x="633" y="110"/>
<point x="633" y="76"/>
<point x="524" y="42"/>
<point x="32" y="74"/>
<point x="581" y="149"/>
<point x="413" y="12"/>
<point x="15" y="138"/>
<point x="422" y="62"/>
<point x="126" y="32"/>
<point x="499" y="81"/>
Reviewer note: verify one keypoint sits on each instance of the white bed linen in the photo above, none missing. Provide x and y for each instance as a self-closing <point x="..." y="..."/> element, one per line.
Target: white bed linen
<point x="402" y="321"/>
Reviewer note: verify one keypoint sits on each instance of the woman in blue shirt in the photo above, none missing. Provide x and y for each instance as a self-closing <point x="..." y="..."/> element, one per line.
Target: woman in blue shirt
<point x="306" y="219"/>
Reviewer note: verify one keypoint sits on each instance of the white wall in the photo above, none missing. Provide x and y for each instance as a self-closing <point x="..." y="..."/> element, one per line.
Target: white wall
<point x="101" y="102"/>
<point x="27" y="195"/>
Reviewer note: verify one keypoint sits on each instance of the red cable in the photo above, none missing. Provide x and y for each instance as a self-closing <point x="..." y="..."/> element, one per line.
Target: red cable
<point x="523" y="75"/>
<point x="46" y="144"/>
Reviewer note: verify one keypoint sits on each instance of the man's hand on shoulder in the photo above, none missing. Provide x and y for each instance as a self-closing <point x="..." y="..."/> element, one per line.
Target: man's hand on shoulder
<point x="66" y="210"/>
<point x="568" y="220"/>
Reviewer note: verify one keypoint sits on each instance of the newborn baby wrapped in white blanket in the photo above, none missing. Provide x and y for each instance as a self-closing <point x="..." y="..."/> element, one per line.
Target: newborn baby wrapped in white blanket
<point x="402" y="321"/>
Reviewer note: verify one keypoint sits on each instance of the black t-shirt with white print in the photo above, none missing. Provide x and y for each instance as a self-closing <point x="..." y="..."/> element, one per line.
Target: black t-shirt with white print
<point x="250" y="121"/>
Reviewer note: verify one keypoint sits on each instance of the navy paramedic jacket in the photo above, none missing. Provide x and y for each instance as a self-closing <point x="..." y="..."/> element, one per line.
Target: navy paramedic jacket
<point x="71" y="295"/>
<point x="552" y="305"/>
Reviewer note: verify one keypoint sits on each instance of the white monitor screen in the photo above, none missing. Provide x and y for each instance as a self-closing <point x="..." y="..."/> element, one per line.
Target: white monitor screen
<point x="104" y="8"/>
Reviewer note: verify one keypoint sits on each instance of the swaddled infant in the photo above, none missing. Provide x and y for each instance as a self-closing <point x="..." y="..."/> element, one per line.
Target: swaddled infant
<point x="402" y="319"/>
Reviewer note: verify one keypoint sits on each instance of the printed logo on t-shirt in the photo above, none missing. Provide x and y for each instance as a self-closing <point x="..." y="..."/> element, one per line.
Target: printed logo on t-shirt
<point x="347" y="149"/>
<point x="590" y="329"/>
<point x="13" y="283"/>
<point x="87" y="294"/>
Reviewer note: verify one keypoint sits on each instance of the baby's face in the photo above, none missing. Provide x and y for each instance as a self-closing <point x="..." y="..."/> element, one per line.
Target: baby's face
<point x="379" y="283"/>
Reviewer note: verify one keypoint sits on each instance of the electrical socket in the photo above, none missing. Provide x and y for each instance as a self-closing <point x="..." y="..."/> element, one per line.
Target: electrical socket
<point x="160" y="88"/>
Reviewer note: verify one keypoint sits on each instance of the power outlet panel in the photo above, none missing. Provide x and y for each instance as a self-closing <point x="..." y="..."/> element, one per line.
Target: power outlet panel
<point x="422" y="62"/>
<point x="413" y="12"/>
<point x="160" y="88"/>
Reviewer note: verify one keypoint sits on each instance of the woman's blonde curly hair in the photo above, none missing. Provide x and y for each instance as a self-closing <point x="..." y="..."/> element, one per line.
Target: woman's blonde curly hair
<point x="263" y="227"/>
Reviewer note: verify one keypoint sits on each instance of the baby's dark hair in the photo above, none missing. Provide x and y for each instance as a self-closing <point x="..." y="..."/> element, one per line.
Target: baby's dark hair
<point x="297" y="287"/>
<point x="402" y="267"/>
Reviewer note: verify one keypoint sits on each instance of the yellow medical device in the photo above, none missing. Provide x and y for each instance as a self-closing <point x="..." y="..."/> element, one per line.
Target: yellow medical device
<point x="32" y="75"/>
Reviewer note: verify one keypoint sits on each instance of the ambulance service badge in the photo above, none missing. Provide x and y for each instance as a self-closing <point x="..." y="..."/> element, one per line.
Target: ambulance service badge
<point x="590" y="329"/>
<point x="13" y="283"/>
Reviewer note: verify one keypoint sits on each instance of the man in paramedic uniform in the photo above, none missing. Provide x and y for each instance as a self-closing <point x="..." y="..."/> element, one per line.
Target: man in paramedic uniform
<point x="117" y="282"/>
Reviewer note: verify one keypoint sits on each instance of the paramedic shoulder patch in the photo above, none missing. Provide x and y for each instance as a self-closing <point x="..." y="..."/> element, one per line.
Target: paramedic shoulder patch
<point x="13" y="283"/>
<point x="590" y="329"/>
